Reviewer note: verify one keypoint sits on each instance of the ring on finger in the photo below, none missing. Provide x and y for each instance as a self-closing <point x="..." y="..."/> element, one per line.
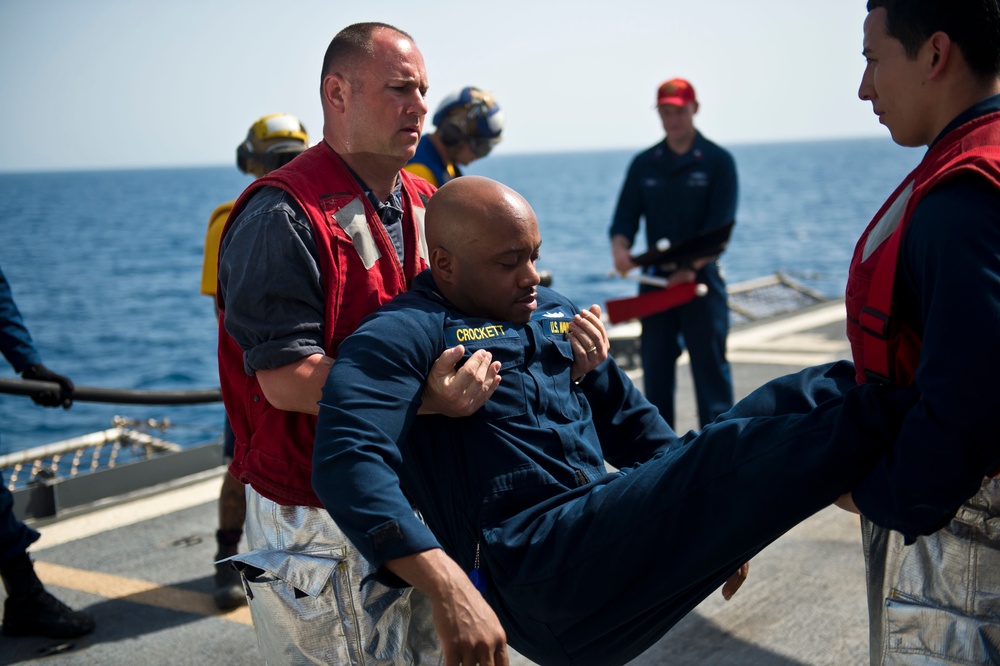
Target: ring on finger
<point x="592" y="349"/>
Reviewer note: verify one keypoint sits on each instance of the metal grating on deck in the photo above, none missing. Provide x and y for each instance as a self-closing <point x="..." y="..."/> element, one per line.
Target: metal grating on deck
<point x="121" y="444"/>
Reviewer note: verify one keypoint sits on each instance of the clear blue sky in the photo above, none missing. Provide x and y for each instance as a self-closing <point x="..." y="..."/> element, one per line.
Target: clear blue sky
<point x="121" y="83"/>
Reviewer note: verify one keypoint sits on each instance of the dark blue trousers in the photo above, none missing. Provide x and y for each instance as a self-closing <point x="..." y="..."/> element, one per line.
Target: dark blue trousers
<point x="616" y="563"/>
<point x="15" y="536"/>
<point x="701" y="326"/>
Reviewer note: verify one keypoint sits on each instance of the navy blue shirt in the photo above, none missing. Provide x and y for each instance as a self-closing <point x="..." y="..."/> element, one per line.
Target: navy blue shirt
<point x="948" y="289"/>
<point x="680" y="196"/>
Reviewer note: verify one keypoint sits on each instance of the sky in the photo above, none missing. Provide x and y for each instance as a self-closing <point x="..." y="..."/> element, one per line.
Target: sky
<point x="91" y="84"/>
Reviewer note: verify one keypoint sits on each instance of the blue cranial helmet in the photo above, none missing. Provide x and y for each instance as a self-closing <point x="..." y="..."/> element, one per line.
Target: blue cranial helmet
<point x="470" y="116"/>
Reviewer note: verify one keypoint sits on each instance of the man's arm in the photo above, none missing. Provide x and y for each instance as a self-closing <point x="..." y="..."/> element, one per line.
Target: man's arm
<point x="630" y="429"/>
<point x="298" y="386"/>
<point x="469" y="630"/>
<point x="19" y="350"/>
<point x="723" y="199"/>
<point x="15" y="341"/>
<point x="589" y="341"/>
<point x="625" y="222"/>
<point x="458" y="392"/>
<point x="271" y="290"/>
<point x="369" y="403"/>
<point x="621" y="253"/>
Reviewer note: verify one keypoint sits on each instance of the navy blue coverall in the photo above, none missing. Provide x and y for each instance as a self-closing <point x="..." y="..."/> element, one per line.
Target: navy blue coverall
<point x="682" y="196"/>
<point x="19" y="350"/>
<point x="583" y="566"/>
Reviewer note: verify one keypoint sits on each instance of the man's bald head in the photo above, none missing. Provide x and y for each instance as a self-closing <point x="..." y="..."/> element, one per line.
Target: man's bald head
<point x="466" y="209"/>
<point x="483" y="239"/>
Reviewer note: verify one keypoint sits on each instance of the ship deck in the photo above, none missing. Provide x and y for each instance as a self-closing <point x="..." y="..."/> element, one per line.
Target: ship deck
<point x="142" y="563"/>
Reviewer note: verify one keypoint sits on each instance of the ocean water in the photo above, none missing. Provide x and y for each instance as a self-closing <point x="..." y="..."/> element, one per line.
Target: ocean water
<point x="105" y="265"/>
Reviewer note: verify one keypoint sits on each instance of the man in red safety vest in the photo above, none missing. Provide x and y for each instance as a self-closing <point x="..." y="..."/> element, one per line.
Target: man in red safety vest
<point x="923" y="309"/>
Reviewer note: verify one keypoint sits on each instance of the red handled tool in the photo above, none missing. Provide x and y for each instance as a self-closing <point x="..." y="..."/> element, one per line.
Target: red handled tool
<point x="643" y="305"/>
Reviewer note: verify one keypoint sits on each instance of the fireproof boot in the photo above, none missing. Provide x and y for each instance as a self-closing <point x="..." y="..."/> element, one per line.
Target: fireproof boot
<point x="31" y="611"/>
<point x="228" y="584"/>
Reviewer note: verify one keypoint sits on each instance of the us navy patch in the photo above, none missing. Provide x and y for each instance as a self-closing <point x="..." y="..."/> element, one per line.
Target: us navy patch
<point x="554" y="323"/>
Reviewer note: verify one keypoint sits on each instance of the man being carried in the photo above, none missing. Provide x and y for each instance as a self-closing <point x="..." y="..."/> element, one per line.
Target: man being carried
<point x="577" y="565"/>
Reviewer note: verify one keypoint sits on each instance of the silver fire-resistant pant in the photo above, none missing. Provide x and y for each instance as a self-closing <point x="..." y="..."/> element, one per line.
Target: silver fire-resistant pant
<point x="937" y="601"/>
<point x="312" y="601"/>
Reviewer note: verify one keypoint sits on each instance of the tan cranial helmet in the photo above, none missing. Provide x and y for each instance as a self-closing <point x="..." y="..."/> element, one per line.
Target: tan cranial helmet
<point x="272" y="141"/>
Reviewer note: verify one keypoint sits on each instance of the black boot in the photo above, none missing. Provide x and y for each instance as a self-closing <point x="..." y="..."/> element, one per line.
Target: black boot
<point x="31" y="611"/>
<point x="229" y="592"/>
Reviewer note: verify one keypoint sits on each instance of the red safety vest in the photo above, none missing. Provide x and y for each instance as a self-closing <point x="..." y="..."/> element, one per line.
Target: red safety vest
<point x="885" y="348"/>
<point x="360" y="271"/>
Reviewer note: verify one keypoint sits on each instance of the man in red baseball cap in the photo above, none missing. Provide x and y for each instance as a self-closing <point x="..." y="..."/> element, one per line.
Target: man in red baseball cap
<point x="684" y="186"/>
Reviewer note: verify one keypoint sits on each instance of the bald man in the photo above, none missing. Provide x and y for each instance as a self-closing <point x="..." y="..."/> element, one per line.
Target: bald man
<point x="528" y="537"/>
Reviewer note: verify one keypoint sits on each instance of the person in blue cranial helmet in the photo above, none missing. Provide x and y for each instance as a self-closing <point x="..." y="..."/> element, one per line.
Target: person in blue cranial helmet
<point x="468" y="124"/>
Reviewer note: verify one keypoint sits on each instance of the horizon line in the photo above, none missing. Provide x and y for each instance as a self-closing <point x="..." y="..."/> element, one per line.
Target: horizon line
<point x="514" y="153"/>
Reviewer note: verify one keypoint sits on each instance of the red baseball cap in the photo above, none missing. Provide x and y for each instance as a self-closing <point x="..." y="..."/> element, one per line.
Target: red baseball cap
<point x="675" y="92"/>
